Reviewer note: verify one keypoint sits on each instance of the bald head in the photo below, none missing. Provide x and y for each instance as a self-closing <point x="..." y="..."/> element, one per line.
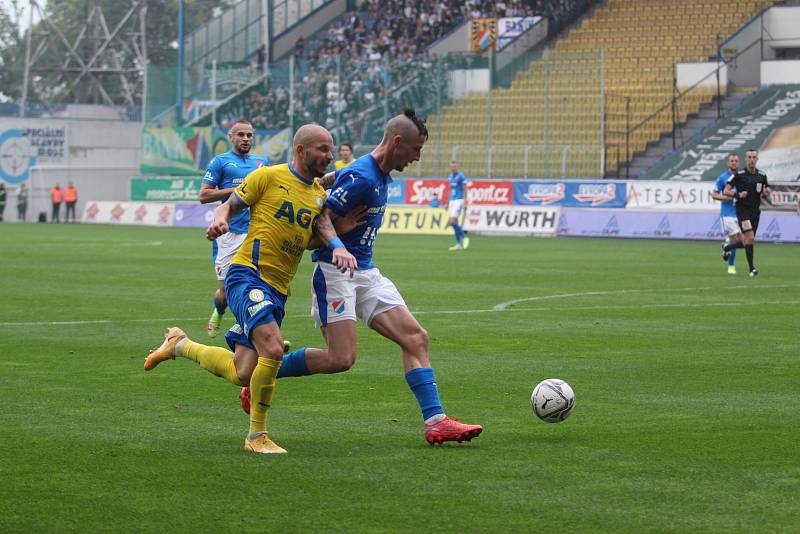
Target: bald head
<point x="310" y="134"/>
<point x="313" y="147"/>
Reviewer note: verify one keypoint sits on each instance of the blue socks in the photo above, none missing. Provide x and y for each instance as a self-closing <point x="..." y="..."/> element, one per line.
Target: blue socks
<point x="220" y="307"/>
<point x="459" y="233"/>
<point x="732" y="257"/>
<point x="423" y="384"/>
<point x="294" y="364"/>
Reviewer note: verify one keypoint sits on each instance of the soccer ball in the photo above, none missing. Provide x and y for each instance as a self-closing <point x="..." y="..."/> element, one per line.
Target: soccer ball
<point x="552" y="400"/>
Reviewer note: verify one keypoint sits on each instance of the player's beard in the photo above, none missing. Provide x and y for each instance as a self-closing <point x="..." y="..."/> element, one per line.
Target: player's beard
<point x="316" y="166"/>
<point x="242" y="150"/>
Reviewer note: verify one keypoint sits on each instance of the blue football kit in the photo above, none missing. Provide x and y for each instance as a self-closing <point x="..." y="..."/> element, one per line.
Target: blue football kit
<point x="228" y="170"/>
<point x="364" y="183"/>
<point x="457" y="182"/>
<point x="361" y="183"/>
<point x="726" y="209"/>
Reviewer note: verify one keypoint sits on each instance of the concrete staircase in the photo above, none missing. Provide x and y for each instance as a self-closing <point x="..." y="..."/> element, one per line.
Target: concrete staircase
<point x="683" y="133"/>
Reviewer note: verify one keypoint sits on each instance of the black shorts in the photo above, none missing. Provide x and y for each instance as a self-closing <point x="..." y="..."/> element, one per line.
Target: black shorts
<point x="748" y="218"/>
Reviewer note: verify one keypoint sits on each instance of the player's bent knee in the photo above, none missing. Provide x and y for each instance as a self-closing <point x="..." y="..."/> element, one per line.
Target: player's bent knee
<point x="418" y="340"/>
<point x="341" y="361"/>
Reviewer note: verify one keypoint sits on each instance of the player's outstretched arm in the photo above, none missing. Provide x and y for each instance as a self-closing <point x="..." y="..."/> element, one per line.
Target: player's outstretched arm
<point x="341" y="258"/>
<point x="209" y="193"/>
<point x="222" y="215"/>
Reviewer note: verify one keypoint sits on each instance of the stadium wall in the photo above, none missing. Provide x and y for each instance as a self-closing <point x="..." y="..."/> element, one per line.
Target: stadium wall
<point x="634" y="209"/>
<point x="98" y="156"/>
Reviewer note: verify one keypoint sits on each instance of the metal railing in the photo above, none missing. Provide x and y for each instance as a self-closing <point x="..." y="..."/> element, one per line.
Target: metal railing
<point x="551" y="161"/>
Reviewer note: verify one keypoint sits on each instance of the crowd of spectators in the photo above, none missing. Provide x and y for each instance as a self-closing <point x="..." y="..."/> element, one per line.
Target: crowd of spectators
<point x="360" y="61"/>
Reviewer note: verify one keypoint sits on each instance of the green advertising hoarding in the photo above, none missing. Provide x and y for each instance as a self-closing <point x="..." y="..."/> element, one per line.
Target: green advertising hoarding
<point x="165" y="189"/>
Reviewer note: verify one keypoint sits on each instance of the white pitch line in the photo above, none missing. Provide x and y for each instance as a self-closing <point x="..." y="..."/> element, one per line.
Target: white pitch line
<point x="104" y="321"/>
<point x="504" y="305"/>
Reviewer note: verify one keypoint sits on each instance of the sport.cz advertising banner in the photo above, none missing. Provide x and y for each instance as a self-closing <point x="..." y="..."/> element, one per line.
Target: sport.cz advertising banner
<point x="420" y="192"/>
<point x="593" y="194"/>
<point x="490" y="193"/>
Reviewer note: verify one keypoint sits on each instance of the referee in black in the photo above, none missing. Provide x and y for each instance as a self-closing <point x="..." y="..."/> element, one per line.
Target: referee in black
<point x="747" y="187"/>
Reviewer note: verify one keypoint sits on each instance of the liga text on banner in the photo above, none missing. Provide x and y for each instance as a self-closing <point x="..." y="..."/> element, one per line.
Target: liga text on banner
<point x="400" y="220"/>
<point x="139" y="213"/>
<point x="512" y="220"/>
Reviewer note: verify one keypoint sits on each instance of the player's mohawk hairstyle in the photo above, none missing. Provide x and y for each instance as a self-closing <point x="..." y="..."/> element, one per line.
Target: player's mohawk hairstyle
<point x="418" y="121"/>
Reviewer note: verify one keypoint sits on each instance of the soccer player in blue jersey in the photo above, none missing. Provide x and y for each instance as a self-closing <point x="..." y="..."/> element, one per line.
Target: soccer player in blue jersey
<point x="286" y="204"/>
<point x="458" y="187"/>
<point x="727" y="211"/>
<point x="225" y="172"/>
<point x="339" y="298"/>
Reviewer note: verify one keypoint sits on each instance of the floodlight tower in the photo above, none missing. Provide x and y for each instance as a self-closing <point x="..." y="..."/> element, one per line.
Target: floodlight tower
<point x="101" y="65"/>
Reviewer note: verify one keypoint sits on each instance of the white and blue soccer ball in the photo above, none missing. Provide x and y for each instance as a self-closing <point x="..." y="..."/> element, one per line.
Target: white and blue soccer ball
<point x="552" y="400"/>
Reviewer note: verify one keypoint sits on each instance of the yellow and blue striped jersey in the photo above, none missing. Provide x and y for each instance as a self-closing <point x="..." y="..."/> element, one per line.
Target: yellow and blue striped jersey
<point x="284" y="207"/>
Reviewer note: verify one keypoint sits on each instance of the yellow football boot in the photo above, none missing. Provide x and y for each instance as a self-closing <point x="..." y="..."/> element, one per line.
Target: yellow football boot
<point x="167" y="349"/>
<point x="263" y="445"/>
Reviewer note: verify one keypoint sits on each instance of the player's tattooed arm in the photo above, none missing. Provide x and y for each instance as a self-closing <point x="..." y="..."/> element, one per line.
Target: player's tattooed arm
<point x="341" y="258"/>
<point x="342" y="225"/>
<point x="222" y="215"/>
<point x="327" y="180"/>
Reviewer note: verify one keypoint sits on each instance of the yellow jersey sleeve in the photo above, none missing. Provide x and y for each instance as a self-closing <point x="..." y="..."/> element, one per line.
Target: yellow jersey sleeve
<point x="253" y="186"/>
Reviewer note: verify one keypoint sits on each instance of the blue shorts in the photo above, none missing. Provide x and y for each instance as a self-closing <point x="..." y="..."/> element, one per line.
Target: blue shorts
<point x="253" y="302"/>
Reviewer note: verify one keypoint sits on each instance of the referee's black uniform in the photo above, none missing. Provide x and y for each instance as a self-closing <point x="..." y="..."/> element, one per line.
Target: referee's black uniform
<point x="748" y="209"/>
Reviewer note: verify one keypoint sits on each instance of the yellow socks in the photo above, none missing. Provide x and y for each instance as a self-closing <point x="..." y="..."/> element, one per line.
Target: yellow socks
<point x="262" y="386"/>
<point x="213" y="359"/>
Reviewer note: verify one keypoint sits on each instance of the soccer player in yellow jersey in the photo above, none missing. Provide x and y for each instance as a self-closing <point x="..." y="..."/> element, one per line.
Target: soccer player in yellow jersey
<point x="285" y="204"/>
<point x="346" y="155"/>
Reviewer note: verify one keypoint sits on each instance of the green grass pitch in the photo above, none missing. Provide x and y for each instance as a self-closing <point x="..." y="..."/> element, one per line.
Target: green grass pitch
<point x="687" y="383"/>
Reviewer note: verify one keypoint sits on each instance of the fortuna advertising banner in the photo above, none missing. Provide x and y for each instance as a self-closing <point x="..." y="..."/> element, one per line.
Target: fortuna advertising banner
<point x="431" y="221"/>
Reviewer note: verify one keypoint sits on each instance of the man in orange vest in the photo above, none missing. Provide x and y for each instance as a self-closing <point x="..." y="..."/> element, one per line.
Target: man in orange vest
<point x="56" y="196"/>
<point x="70" y="198"/>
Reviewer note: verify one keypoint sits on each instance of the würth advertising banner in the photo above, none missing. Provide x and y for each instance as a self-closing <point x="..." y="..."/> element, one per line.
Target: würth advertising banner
<point x="512" y="220"/>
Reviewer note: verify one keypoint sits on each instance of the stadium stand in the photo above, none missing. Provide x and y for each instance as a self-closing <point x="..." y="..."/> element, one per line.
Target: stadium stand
<point x="382" y="44"/>
<point x="555" y="105"/>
